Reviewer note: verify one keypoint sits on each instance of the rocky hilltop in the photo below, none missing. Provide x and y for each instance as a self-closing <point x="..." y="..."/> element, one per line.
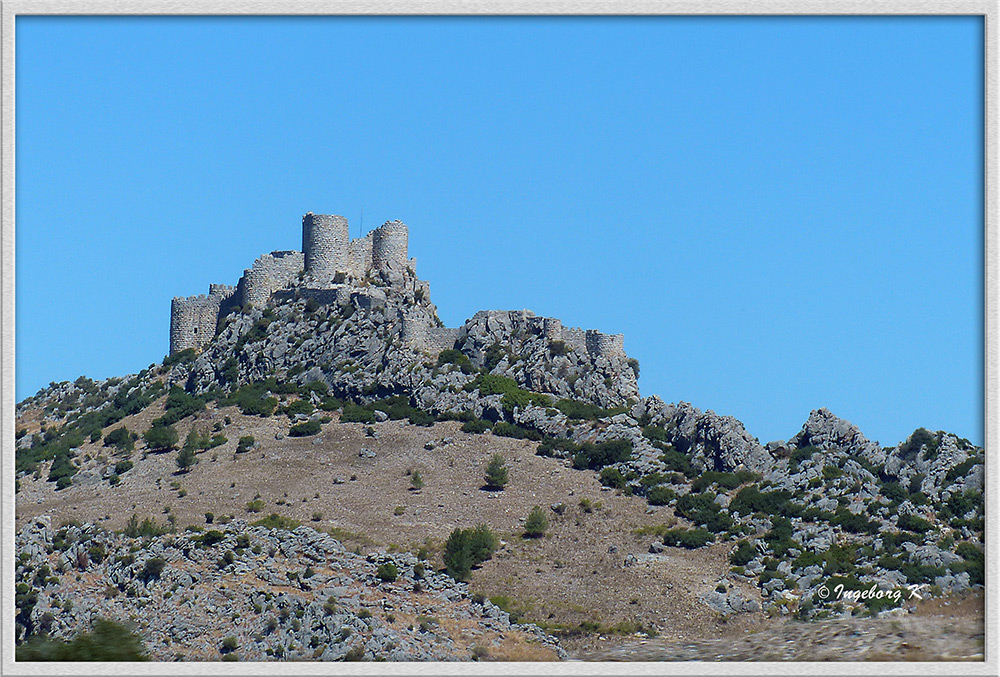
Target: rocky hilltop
<point x="346" y="333"/>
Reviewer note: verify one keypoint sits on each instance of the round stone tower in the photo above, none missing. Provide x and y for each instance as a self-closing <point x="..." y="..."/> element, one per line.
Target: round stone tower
<point x="389" y="246"/>
<point x="325" y="244"/>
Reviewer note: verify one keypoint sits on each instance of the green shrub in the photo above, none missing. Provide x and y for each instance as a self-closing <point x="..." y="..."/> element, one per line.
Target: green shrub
<point x="123" y="467"/>
<point x="477" y="426"/>
<point x="596" y="456"/>
<point x="655" y="433"/>
<point x="702" y="509"/>
<point x="921" y="573"/>
<point x="855" y="524"/>
<point x="467" y="548"/>
<point x="913" y="523"/>
<point x="612" y="477"/>
<point x="496" y="474"/>
<point x="153" y="568"/>
<point x="725" y="480"/>
<point x="577" y="410"/>
<point x="894" y="492"/>
<point x="245" y="444"/>
<point x="161" y="438"/>
<point x="513" y="395"/>
<point x="275" y="521"/>
<point x="304" y="429"/>
<point x="180" y="357"/>
<point x="551" y="444"/>
<point x="299" y="407"/>
<point x="536" y="524"/>
<point x="743" y="553"/>
<point x="108" y="641"/>
<point x="962" y="469"/>
<point x="456" y="357"/>
<point x="660" y="495"/>
<point x="387" y="572"/>
<point x="687" y="538"/>
<point x="186" y="459"/>
<point x="356" y="414"/>
<point x="799" y="455"/>
<point x="751" y="499"/>
<point x="504" y="429"/>
<point x="557" y="348"/>
<point x="909" y="449"/>
<point x="120" y="438"/>
<point x="678" y="462"/>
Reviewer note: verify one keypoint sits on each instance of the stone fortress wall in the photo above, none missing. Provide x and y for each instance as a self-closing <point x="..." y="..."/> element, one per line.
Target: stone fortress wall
<point x="269" y="273"/>
<point x="326" y="245"/>
<point x="327" y="251"/>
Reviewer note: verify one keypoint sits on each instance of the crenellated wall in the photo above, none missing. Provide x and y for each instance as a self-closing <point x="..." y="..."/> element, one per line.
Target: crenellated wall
<point x="269" y="273"/>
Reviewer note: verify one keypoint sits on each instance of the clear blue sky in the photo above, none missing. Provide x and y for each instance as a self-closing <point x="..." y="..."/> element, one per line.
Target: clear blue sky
<point x="780" y="214"/>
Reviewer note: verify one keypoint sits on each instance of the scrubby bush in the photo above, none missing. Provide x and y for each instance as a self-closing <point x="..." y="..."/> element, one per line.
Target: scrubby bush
<point x="577" y="410"/>
<point x="678" y="462"/>
<point x="497" y="473"/>
<point x="245" y="444"/>
<point x="304" y="429"/>
<point x="387" y="572"/>
<point x="725" y="480"/>
<point x="536" y="524"/>
<point x="513" y="395"/>
<point x="120" y="438"/>
<point x="660" y="495"/>
<point x="275" y="521"/>
<point x="356" y="414"/>
<point x="161" y="438"/>
<point x="467" y="548"/>
<point x="476" y="426"/>
<point x="596" y="456"/>
<point x="612" y="477"/>
<point x="913" y="523"/>
<point x="855" y="524"/>
<point x="456" y="357"/>
<point x="504" y="429"/>
<point x="108" y="641"/>
<point x="702" y="509"/>
<point x="299" y="407"/>
<point x="743" y="553"/>
<point x="687" y="538"/>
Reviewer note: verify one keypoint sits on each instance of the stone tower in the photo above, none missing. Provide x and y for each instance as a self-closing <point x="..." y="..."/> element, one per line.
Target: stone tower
<point x="389" y="246"/>
<point x="326" y="245"/>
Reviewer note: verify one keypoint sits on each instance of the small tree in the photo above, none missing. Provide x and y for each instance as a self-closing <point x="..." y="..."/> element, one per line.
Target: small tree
<point x="416" y="481"/>
<point x="536" y="523"/>
<point x="161" y="438"/>
<point x="186" y="458"/>
<point x="496" y="473"/>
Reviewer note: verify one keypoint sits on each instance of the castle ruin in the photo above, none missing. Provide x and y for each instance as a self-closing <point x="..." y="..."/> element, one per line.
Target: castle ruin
<point x="334" y="269"/>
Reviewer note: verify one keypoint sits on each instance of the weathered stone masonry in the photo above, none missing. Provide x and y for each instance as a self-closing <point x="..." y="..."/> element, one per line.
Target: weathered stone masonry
<point x="333" y="269"/>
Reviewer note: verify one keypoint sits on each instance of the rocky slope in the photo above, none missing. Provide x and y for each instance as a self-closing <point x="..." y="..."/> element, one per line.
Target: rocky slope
<point x="826" y="507"/>
<point x="255" y="593"/>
